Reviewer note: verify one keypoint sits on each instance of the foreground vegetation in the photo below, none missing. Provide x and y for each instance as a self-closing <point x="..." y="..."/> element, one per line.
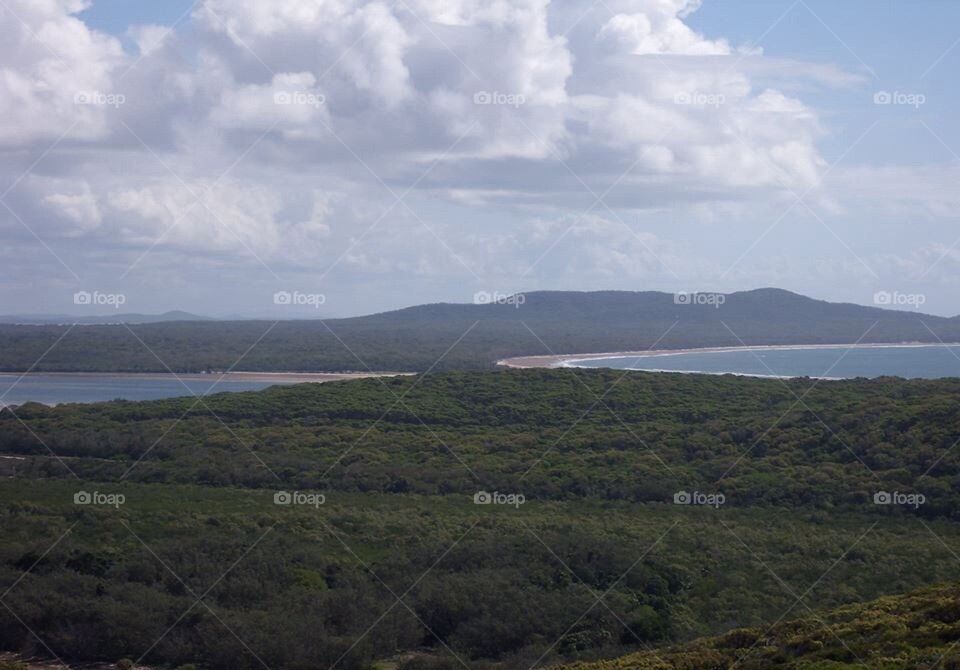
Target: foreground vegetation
<point x="300" y="587"/>
<point x="916" y="630"/>
<point x="397" y="565"/>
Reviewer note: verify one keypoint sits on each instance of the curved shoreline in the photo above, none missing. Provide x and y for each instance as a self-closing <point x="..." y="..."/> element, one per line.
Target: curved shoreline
<point x="220" y="377"/>
<point x="218" y="381"/>
<point x="571" y="360"/>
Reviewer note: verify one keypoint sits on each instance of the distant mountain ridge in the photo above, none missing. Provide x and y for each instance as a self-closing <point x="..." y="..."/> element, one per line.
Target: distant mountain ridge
<point x="445" y="336"/>
<point x="625" y="306"/>
<point x="64" y="319"/>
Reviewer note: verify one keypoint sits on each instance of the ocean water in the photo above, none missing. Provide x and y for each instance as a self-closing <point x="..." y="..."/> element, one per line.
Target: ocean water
<point x="53" y="389"/>
<point x="927" y="362"/>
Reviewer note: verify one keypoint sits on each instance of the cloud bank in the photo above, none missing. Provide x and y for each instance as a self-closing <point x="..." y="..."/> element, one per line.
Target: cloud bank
<point x="342" y="141"/>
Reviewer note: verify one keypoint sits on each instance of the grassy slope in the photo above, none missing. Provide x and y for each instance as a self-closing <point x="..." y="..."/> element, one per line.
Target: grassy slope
<point x="917" y="630"/>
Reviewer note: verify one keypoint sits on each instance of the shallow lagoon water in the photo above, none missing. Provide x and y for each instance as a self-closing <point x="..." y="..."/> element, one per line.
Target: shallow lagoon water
<point x="839" y="362"/>
<point x="54" y="389"/>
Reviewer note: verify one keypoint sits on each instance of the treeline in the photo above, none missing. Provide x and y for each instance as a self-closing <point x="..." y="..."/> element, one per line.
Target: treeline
<point x="552" y="434"/>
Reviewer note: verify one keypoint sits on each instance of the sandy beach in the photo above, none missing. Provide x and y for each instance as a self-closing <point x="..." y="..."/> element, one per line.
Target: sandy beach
<point x="570" y="360"/>
<point x="266" y="377"/>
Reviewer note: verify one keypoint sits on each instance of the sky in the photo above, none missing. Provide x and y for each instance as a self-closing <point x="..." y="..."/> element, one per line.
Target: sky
<point x="332" y="158"/>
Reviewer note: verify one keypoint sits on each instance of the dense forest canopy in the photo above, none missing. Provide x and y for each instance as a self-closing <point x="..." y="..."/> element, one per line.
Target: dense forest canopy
<point x="378" y="527"/>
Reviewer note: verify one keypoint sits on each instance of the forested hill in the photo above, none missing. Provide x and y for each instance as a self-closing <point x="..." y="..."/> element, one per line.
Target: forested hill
<point x="631" y="307"/>
<point x="917" y="630"/>
<point x="450" y="336"/>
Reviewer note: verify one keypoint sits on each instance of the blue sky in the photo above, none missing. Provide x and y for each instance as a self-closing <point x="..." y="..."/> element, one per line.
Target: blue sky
<point x="115" y="16"/>
<point x="903" y="46"/>
<point x="629" y="144"/>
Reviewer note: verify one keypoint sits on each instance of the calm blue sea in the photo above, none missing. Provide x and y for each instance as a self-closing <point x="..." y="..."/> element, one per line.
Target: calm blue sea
<point x="52" y="389"/>
<point x="928" y="362"/>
